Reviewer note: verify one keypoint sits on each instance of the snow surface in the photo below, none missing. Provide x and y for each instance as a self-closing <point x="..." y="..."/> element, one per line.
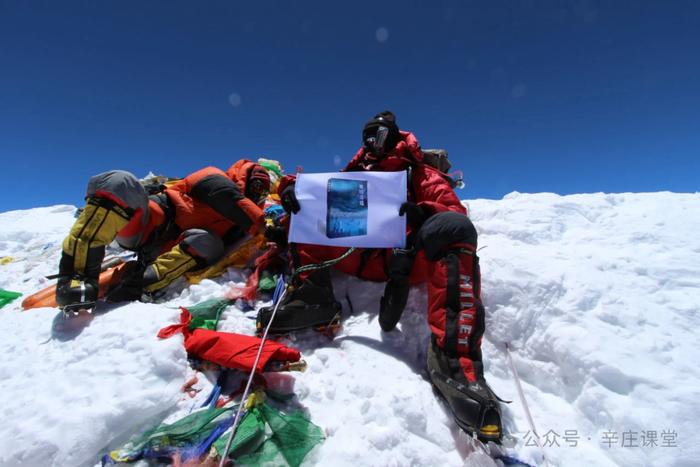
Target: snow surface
<point x="597" y="294"/>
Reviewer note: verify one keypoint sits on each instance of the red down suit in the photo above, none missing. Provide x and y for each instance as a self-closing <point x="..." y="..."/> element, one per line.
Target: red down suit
<point x="214" y="200"/>
<point x="446" y="258"/>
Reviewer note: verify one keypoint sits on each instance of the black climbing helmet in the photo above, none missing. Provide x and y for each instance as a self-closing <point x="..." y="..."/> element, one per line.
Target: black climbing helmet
<point x="381" y="134"/>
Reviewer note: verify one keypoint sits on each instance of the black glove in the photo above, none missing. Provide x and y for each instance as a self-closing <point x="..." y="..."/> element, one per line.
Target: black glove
<point x="127" y="282"/>
<point x="289" y="200"/>
<point x="277" y="235"/>
<point x="415" y="214"/>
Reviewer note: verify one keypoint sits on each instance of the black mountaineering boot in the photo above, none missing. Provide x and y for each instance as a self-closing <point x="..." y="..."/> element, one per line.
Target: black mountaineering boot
<point x="310" y="304"/>
<point x="396" y="290"/>
<point x="77" y="291"/>
<point x="474" y="405"/>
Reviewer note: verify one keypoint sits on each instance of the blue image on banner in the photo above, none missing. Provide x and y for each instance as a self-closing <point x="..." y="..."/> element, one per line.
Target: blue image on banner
<point x="346" y="208"/>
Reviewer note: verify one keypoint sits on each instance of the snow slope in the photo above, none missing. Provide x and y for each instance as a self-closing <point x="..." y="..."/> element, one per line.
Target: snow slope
<point x="598" y="295"/>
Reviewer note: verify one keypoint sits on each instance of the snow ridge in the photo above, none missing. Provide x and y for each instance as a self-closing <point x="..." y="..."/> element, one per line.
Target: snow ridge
<point x="597" y="294"/>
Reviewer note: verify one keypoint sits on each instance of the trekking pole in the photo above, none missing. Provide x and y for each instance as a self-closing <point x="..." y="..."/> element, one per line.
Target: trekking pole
<point x="523" y="401"/>
<point x="280" y="292"/>
<point x="278" y="296"/>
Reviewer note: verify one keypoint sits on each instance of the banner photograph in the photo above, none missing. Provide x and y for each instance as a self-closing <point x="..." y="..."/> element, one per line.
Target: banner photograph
<point x="359" y="209"/>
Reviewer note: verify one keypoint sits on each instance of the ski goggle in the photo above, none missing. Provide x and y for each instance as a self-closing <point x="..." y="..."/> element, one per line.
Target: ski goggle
<point x="376" y="143"/>
<point x="256" y="190"/>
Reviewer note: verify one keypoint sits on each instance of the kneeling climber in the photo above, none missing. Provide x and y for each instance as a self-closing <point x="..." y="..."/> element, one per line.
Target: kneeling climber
<point x="183" y="227"/>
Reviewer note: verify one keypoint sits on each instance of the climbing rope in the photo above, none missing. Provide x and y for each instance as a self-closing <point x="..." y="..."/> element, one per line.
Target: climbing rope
<point x="323" y="264"/>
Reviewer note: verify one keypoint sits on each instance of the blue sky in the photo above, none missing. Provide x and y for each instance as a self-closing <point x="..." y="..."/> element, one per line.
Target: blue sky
<point x="529" y="96"/>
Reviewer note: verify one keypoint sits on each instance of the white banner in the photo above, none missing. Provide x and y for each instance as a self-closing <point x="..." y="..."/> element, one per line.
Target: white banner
<point x="359" y="209"/>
